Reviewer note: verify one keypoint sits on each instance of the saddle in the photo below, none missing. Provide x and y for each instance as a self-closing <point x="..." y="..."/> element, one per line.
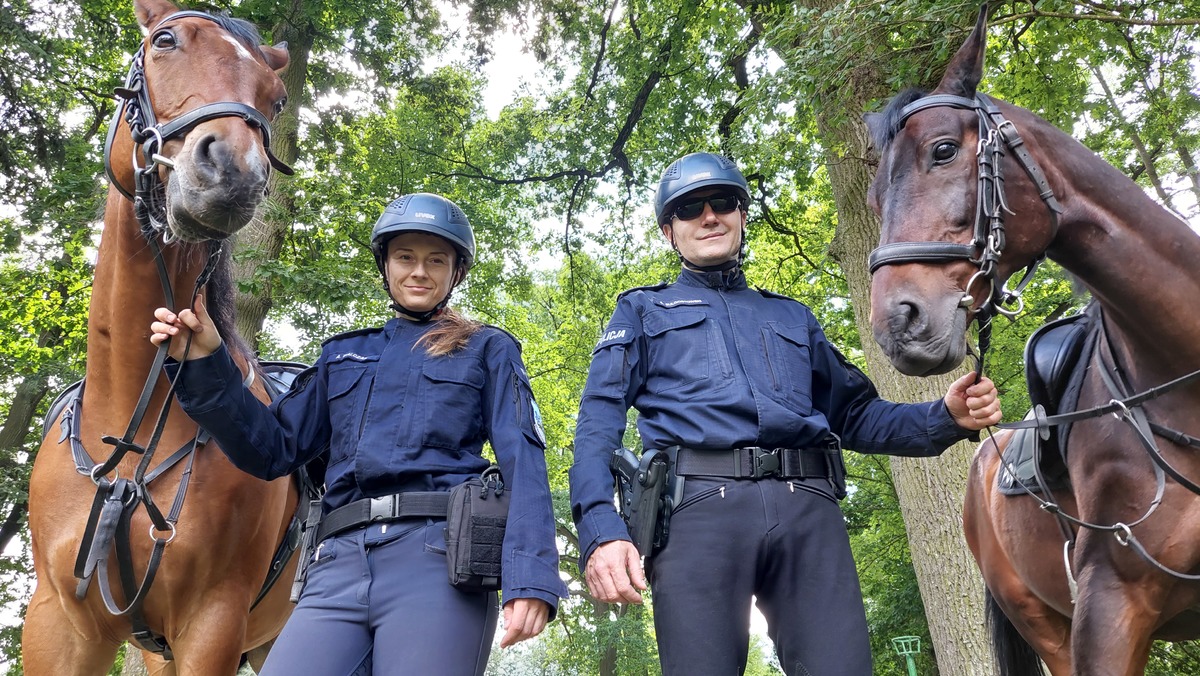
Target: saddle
<point x="1056" y="358"/>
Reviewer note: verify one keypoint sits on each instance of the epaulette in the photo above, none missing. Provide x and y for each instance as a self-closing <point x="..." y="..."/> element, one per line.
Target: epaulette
<point x="350" y="333"/>
<point x="652" y="287"/>
<point x="507" y="333"/>
<point x="772" y="294"/>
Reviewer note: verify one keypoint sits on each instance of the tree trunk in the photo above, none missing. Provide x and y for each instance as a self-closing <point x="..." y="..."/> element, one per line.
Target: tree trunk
<point x="265" y="241"/>
<point x="930" y="490"/>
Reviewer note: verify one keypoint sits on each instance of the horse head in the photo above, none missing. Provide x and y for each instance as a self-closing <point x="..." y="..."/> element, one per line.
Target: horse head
<point x="195" y="120"/>
<point x="942" y="199"/>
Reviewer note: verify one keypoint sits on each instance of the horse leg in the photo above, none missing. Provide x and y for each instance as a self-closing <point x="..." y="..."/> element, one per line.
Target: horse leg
<point x="52" y="644"/>
<point x="157" y="666"/>
<point x="257" y="657"/>
<point x="1022" y="623"/>
<point x="212" y="641"/>
<point x="1113" y="619"/>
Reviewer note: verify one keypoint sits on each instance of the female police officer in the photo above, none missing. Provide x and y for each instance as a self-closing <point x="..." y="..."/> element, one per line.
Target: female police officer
<point x="743" y="392"/>
<point x="403" y="410"/>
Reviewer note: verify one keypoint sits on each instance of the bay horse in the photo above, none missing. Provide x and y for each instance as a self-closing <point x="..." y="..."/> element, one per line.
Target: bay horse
<point x="972" y="190"/>
<point x="195" y="122"/>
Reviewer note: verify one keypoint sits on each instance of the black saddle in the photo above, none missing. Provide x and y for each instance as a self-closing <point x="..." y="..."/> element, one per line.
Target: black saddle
<point x="1056" y="358"/>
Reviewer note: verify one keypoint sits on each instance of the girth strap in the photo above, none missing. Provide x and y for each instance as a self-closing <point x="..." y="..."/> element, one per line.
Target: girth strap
<point x="756" y="463"/>
<point x="386" y="508"/>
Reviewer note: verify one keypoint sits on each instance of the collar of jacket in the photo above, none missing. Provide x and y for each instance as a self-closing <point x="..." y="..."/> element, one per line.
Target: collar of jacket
<point x="732" y="278"/>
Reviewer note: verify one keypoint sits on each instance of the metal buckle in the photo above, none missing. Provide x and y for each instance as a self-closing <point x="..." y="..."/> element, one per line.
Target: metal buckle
<point x="764" y="462"/>
<point x="383" y="508"/>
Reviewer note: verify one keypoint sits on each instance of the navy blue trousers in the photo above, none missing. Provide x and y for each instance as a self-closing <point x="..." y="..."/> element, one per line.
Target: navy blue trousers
<point x="378" y="601"/>
<point x="781" y="542"/>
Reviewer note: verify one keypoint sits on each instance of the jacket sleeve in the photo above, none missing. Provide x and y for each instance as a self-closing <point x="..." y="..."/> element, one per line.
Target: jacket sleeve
<point x="266" y="442"/>
<point x="514" y="425"/>
<point x="869" y="424"/>
<point x="614" y="379"/>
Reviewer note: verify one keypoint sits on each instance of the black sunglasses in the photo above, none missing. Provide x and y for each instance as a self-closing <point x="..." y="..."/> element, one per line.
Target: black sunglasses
<point x="721" y="204"/>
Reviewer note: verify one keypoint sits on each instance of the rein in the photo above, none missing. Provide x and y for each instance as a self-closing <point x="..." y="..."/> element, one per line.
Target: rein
<point x="117" y="498"/>
<point x="996" y="135"/>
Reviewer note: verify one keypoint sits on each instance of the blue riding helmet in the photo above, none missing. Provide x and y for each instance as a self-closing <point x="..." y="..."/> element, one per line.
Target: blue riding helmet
<point x="692" y="172"/>
<point x="424" y="212"/>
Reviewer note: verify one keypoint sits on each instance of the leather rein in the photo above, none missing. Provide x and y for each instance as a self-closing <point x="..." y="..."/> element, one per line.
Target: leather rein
<point x="118" y="497"/>
<point x="996" y="135"/>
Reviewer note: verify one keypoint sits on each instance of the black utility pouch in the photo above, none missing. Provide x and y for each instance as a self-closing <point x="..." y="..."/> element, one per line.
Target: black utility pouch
<point x="475" y="522"/>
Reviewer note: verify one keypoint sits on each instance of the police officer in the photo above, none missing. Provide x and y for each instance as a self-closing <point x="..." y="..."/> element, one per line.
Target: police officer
<point x="403" y="409"/>
<point x="747" y="396"/>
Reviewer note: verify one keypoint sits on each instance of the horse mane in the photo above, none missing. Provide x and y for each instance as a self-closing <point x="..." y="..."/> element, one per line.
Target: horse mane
<point x="244" y="31"/>
<point x="219" y="299"/>
<point x="886" y="125"/>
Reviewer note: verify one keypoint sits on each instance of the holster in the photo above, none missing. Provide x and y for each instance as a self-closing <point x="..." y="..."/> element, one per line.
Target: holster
<point x="308" y="543"/>
<point x="641" y="485"/>
<point x="475" y="524"/>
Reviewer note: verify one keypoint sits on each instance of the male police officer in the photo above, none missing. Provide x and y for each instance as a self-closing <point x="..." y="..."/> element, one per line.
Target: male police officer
<point x="748" y="399"/>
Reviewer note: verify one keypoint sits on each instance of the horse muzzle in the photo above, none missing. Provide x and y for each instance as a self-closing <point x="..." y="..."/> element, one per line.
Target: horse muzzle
<point x="922" y="338"/>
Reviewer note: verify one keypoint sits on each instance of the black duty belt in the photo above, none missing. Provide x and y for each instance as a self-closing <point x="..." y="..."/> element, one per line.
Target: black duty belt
<point x="755" y="463"/>
<point x="386" y="508"/>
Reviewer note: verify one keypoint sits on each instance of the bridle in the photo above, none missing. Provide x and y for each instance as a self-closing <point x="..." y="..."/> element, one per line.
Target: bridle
<point x="117" y="497"/>
<point x="149" y="136"/>
<point x="997" y="134"/>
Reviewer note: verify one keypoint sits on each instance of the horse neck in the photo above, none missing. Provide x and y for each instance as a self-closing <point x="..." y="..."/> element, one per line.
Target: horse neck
<point x="125" y="291"/>
<point x="1136" y="258"/>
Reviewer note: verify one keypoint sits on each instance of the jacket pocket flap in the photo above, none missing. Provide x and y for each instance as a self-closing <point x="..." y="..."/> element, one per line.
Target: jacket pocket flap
<point x="657" y="323"/>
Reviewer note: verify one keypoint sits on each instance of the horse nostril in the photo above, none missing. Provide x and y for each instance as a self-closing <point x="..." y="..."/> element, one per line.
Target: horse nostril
<point x="906" y="316"/>
<point x="208" y="155"/>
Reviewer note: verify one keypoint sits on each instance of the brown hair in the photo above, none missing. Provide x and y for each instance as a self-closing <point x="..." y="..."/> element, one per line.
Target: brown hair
<point x="449" y="334"/>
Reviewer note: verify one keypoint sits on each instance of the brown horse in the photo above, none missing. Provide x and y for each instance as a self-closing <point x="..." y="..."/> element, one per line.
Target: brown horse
<point x="198" y="101"/>
<point x="970" y="191"/>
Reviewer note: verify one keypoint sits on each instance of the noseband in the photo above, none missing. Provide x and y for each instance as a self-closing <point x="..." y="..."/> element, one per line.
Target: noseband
<point x="996" y="134"/>
<point x="149" y="137"/>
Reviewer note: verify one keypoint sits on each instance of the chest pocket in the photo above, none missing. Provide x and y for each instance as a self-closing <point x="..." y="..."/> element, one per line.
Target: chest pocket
<point x="349" y="390"/>
<point x="452" y="401"/>
<point x="685" y="347"/>
<point x="789" y="361"/>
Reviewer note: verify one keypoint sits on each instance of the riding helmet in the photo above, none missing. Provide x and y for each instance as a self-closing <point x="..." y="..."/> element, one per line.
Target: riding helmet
<point x="424" y="212"/>
<point x="692" y="172"/>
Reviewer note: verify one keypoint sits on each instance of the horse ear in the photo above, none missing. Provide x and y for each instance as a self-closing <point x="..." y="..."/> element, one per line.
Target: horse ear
<point x="276" y="57"/>
<point x="966" y="68"/>
<point x="875" y="128"/>
<point x="150" y="12"/>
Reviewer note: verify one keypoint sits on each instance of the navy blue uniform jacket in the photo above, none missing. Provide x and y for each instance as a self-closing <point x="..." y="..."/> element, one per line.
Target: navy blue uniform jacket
<point x="712" y="364"/>
<point x="396" y="419"/>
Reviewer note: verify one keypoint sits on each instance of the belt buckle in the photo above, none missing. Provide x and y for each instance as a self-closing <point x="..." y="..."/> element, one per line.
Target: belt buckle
<point x="764" y="462"/>
<point x="383" y="508"/>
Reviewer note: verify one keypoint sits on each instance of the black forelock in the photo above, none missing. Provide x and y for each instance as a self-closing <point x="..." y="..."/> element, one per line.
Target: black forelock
<point x="244" y="31"/>
<point x="887" y="125"/>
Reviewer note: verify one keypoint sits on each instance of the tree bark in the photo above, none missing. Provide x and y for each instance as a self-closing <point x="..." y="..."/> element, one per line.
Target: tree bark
<point x="930" y="491"/>
<point x="264" y="241"/>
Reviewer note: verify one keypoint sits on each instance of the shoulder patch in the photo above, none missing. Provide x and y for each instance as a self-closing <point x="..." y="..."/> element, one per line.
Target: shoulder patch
<point x="615" y="335"/>
<point x="351" y="334"/>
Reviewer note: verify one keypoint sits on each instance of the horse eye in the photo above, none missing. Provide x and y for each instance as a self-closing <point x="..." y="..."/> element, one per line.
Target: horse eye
<point x="280" y="105"/>
<point x="944" y="152"/>
<point x="164" y="40"/>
